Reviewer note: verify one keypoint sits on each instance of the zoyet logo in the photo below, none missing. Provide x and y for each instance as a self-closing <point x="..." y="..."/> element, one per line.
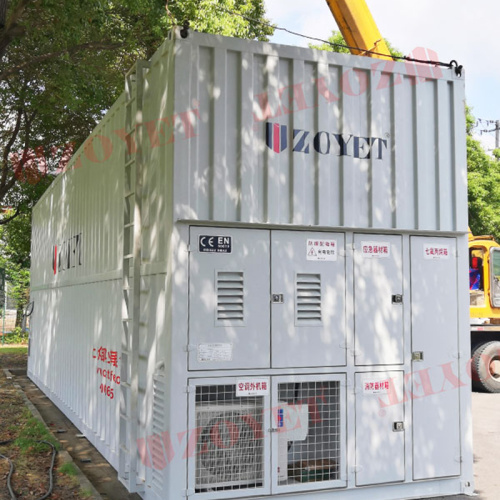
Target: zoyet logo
<point x="68" y="254"/>
<point x="324" y="142"/>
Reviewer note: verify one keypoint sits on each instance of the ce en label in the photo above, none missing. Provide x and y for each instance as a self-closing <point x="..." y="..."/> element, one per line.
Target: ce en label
<point x="215" y="244"/>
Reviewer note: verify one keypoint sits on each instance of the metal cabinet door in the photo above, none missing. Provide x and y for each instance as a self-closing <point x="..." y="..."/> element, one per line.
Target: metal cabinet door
<point x="378" y="306"/>
<point x="436" y="432"/>
<point x="308" y="290"/>
<point x="228" y="299"/>
<point x="380" y="435"/>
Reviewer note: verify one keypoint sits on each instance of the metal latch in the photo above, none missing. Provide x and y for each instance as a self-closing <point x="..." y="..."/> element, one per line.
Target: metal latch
<point x="277" y="298"/>
<point x="398" y="426"/>
<point x="397" y="299"/>
<point x="417" y="356"/>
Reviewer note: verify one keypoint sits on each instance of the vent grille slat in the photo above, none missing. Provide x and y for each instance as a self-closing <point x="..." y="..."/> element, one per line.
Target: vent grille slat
<point x="230" y="296"/>
<point x="308" y="298"/>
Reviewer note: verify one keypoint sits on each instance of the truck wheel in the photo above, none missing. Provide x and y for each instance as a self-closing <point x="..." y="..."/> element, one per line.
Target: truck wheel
<point x="486" y="367"/>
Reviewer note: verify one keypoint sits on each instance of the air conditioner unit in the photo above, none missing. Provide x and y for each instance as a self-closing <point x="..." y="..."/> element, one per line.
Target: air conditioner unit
<point x="293" y="425"/>
<point x="229" y="447"/>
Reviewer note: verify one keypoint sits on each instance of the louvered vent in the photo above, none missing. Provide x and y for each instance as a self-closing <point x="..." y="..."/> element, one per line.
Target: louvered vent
<point x="308" y="298"/>
<point x="230" y="293"/>
<point x="156" y="450"/>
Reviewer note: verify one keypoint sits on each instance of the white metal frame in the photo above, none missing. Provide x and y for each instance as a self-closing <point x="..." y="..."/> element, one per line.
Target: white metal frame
<point x="310" y="486"/>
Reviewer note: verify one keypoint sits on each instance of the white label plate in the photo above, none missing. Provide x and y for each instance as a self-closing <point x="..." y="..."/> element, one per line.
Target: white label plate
<point x="252" y="387"/>
<point x="375" y="249"/>
<point x="215" y="352"/>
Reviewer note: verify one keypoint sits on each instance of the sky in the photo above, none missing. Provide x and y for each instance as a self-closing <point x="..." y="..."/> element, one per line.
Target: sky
<point x="464" y="31"/>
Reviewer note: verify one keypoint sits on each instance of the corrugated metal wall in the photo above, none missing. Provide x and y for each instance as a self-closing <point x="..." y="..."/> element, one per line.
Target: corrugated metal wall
<point x="414" y="122"/>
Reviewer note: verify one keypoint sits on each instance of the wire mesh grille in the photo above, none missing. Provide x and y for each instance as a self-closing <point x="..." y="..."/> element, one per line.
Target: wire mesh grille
<point x="309" y="440"/>
<point x="229" y="450"/>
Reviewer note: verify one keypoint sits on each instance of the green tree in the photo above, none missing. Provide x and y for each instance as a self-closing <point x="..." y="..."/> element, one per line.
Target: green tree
<point x="337" y="43"/>
<point x="15" y="241"/>
<point x="62" y="65"/>
<point x="483" y="173"/>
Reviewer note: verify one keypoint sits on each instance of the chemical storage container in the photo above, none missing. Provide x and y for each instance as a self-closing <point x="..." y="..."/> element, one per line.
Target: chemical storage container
<point x="251" y="280"/>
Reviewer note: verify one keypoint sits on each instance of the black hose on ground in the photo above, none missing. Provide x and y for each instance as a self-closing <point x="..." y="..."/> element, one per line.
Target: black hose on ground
<point x="51" y="471"/>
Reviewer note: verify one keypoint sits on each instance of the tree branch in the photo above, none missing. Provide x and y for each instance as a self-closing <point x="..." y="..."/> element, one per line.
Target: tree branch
<point x="12" y="30"/>
<point x="52" y="55"/>
<point x="8" y="147"/>
<point x="12" y="217"/>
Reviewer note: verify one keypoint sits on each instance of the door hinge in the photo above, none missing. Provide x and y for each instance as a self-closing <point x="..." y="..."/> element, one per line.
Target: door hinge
<point x="356" y="468"/>
<point x="190" y="347"/>
<point x="188" y="389"/>
<point x="187" y="493"/>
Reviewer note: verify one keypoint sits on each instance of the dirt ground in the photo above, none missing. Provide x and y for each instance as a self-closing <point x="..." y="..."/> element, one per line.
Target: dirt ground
<point x="19" y="433"/>
<point x="90" y="462"/>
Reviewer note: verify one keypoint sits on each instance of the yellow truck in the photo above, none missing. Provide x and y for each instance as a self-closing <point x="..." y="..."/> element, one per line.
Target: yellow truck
<point x="484" y="285"/>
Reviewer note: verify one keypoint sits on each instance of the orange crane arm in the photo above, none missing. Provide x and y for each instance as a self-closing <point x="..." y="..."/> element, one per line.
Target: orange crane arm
<point x="358" y="27"/>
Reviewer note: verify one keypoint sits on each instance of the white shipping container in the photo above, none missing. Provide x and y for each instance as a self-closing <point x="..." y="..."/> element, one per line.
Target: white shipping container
<point x="251" y="278"/>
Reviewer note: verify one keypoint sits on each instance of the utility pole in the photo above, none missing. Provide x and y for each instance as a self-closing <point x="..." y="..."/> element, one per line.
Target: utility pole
<point x="497" y="134"/>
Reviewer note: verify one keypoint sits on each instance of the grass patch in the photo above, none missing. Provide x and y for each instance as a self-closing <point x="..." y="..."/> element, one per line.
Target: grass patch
<point x="31" y="432"/>
<point x="68" y="469"/>
<point x="86" y="493"/>
<point x="6" y="349"/>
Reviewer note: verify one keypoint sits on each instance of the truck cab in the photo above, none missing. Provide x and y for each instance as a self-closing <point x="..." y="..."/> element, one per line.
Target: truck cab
<point x="484" y="287"/>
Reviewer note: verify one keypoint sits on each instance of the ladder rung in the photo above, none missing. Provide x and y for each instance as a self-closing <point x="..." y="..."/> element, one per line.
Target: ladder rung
<point x="129" y="162"/>
<point x="129" y="194"/>
<point x="126" y="385"/>
<point x="128" y="256"/>
<point x="130" y="224"/>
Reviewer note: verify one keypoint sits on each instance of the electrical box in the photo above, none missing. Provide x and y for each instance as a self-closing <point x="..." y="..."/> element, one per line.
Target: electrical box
<point x="251" y="280"/>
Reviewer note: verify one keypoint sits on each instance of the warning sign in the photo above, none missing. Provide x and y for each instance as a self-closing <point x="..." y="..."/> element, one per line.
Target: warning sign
<point x="321" y="250"/>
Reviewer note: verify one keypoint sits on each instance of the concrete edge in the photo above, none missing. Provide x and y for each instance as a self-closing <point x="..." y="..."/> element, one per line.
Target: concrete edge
<point x="82" y="479"/>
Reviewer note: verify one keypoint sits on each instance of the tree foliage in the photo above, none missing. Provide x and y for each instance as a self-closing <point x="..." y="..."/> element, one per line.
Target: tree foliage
<point x="337" y="43"/>
<point x="62" y="65"/>
<point x="15" y="241"/>
<point x="483" y="186"/>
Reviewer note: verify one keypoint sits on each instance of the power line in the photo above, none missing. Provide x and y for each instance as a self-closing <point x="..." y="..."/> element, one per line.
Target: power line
<point x="451" y="64"/>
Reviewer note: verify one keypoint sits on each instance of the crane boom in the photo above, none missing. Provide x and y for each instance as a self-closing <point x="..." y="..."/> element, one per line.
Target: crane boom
<point x="358" y="27"/>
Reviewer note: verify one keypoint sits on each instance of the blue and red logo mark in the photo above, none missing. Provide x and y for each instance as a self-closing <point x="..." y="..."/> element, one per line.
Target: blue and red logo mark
<point x="324" y="142"/>
<point x="276" y="136"/>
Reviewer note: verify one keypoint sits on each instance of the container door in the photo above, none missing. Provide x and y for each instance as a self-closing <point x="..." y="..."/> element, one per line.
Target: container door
<point x="309" y="433"/>
<point x="436" y="433"/>
<point x="308" y="295"/>
<point x="228" y="299"/>
<point x="380" y="428"/>
<point x="378" y="300"/>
